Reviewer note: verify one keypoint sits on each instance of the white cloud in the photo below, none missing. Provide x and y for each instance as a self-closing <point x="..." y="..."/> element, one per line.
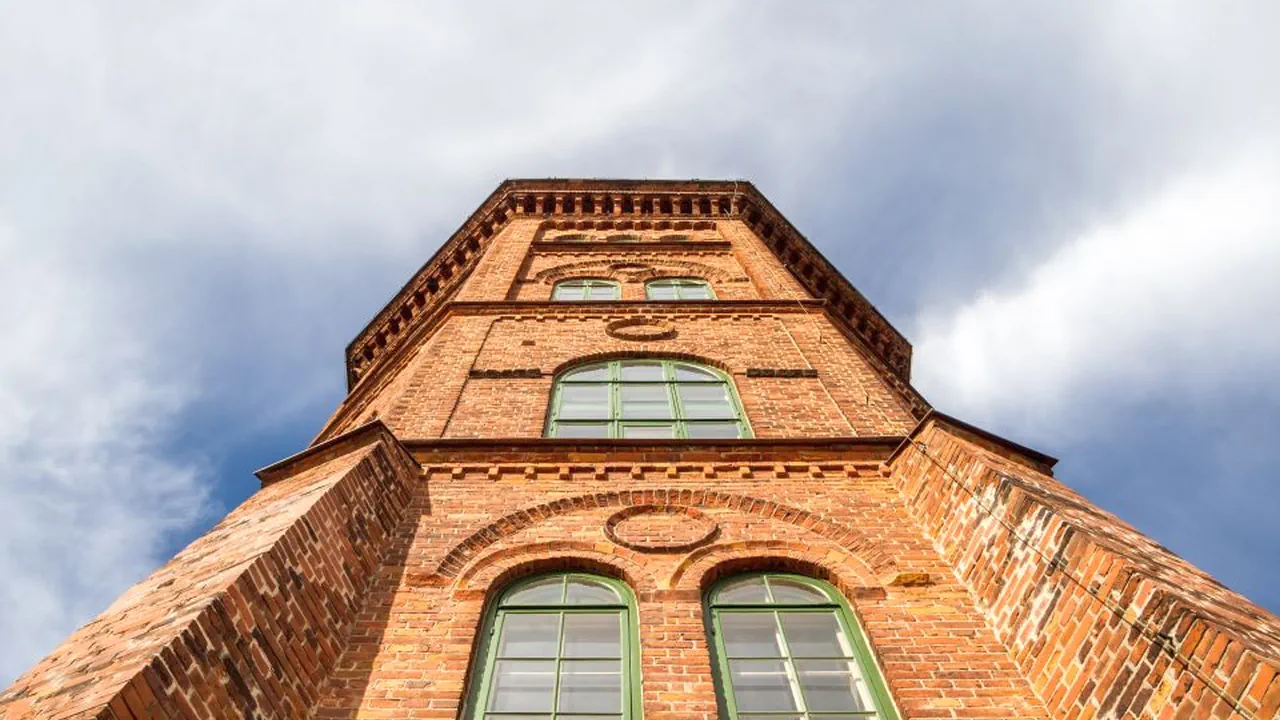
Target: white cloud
<point x="88" y="500"/>
<point x="1177" y="298"/>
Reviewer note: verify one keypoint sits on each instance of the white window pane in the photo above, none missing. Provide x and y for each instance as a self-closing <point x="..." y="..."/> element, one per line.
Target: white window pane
<point x="590" y="686"/>
<point x="587" y="592"/>
<point x="695" y="292"/>
<point x="599" y="373"/>
<point x="529" y="635"/>
<point x="691" y="372"/>
<point x="523" y="686"/>
<point x="832" y="686"/>
<point x="814" y="634"/>
<point x="547" y="591"/>
<point x="641" y="371"/>
<point x="594" y="635"/>
<point x="664" y="291"/>
<point x="794" y="592"/>
<point x="585" y="402"/>
<point x="645" y="432"/>
<point x="747" y="591"/>
<point x="645" y="402"/>
<point x="712" y="430"/>
<point x="582" y="430"/>
<point x="705" y="401"/>
<point x="604" y="292"/>
<point x="761" y="685"/>
<point x="750" y="634"/>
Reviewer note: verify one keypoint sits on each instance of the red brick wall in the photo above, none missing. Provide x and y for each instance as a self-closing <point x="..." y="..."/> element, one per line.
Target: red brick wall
<point x="1086" y="632"/>
<point x="437" y="395"/>
<point x="432" y="393"/>
<point x="475" y="526"/>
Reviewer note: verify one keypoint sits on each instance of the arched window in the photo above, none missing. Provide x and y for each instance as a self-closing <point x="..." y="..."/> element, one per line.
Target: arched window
<point x="559" y="646"/>
<point x="787" y="647"/>
<point x="624" y="238"/>
<point x="586" y="289"/>
<point x="674" y="238"/>
<point x="678" y="289"/>
<point x="645" y="399"/>
<point x="572" y="237"/>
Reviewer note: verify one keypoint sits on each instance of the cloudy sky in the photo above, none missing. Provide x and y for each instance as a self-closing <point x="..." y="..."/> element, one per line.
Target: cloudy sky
<point x="1073" y="212"/>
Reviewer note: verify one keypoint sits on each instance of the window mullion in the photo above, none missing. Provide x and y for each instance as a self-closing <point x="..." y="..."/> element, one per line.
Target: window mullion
<point x="789" y="661"/>
<point x="555" y="691"/>
<point x="677" y="410"/>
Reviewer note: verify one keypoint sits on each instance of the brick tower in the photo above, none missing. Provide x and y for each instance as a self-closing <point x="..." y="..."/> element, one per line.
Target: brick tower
<point x="629" y="449"/>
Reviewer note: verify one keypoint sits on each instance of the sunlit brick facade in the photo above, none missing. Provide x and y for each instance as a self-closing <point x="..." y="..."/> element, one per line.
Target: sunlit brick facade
<point x="365" y="579"/>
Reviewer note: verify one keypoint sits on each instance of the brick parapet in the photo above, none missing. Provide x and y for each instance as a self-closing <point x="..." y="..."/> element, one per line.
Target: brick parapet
<point x="247" y="620"/>
<point x="1103" y="621"/>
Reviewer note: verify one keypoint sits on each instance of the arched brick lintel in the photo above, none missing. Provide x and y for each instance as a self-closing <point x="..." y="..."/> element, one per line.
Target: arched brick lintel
<point x="852" y="541"/>
<point x="633" y="270"/>
<point x="590" y="358"/>
<point x="825" y="561"/>
<point x="499" y="568"/>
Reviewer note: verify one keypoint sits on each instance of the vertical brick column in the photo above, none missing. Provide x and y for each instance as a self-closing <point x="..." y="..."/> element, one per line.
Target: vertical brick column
<point x="496" y="271"/>
<point x="762" y="265"/>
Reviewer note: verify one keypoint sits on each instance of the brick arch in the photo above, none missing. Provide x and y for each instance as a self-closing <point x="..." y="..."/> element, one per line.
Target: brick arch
<point x="639" y="355"/>
<point x="850" y="539"/>
<point x="499" y="568"/>
<point x="836" y="564"/>
<point x="633" y="270"/>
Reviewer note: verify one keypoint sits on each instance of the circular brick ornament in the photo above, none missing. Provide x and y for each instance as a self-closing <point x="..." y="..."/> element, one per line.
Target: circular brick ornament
<point x="640" y="329"/>
<point x="661" y="528"/>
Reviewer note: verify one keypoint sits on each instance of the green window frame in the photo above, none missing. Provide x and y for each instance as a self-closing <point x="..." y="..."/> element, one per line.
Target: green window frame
<point x="560" y="646"/>
<point x="679" y="289"/>
<point x="583" y="289"/>
<point x="787" y="647"/>
<point x="645" y="399"/>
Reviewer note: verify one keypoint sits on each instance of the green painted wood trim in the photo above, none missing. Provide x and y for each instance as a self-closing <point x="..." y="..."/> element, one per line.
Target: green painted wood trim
<point x="845" y="616"/>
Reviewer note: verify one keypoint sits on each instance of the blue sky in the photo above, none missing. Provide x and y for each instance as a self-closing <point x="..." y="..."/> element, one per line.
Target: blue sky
<point x="1069" y="210"/>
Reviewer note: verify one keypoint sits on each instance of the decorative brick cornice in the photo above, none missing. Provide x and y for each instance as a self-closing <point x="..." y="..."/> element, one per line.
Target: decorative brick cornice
<point x="654" y="203"/>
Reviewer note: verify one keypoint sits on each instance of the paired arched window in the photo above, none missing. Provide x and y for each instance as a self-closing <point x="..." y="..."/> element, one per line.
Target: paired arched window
<point x="560" y="646"/>
<point x="678" y="289"/>
<point x="586" y="289"/>
<point x="565" y="645"/>
<point x="645" y="399"/>
<point x="786" y="647"/>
